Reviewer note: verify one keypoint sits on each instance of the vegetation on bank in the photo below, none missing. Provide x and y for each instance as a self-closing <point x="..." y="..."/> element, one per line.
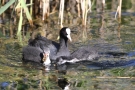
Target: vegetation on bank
<point x="19" y="10"/>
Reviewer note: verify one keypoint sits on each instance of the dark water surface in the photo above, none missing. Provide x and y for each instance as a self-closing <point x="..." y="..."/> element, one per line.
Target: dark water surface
<point x="114" y="70"/>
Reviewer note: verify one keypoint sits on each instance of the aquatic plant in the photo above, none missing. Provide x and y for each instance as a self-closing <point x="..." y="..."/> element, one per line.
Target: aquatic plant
<point x="20" y="7"/>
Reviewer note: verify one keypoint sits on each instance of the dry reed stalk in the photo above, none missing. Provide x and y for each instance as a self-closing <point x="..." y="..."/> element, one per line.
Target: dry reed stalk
<point x="115" y="77"/>
<point x="119" y="11"/>
<point x="103" y="4"/>
<point x="3" y="15"/>
<point x="103" y="1"/>
<point x="83" y="9"/>
<point x="45" y="9"/>
<point x="78" y="8"/>
<point x="116" y="12"/>
<point x="120" y="8"/>
<point x="61" y="12"/>
<point x="85" y="6"/>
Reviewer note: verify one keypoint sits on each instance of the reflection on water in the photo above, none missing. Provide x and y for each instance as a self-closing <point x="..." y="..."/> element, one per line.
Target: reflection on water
<point x="84" y="34"/>
<point x="116" y="60"/>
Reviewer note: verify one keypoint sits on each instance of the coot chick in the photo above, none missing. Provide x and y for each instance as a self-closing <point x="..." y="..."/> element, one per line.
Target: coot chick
<point x="56" y="49"/>
<point x="36" y="54"/>
<point x="84" y="53"/>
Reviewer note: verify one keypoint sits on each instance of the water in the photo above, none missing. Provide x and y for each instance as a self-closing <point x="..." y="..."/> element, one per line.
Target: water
<point x="114" y="70"/>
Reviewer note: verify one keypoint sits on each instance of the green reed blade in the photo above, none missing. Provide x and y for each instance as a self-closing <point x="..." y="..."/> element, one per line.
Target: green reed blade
<point x="8" y="4"/>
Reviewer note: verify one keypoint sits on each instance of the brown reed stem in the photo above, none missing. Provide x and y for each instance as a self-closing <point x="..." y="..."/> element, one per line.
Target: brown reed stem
<point x="115" y="77"/>
<point x="31" y="1"/>
<point x="61" y="12"/>
<point x="120" y="8"/>
<point x="78" y="8"/>
<point x="45" y="9"/>
<point x="119" y="11"/>
<point x="85" y="6"/>
<point x="103" y="5"/>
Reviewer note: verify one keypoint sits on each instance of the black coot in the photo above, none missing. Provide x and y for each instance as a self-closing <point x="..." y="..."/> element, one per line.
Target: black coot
<point x="36" y="54"/>
<point x="84" y="53"/>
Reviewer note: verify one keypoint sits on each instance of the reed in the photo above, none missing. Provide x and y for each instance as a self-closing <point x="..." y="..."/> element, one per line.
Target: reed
<point x="78" y="8"/>
<point x="118" y="11"/>
<point x="120" y="8"/>
<point x="22" y="6"/>
<point x="85" y="7"/>
<point x="20" y="26"/>
<point x="6" y="6"/>
<point x="115" y="77"/>
<point x="31" y="7"/>
<point x="61" y="12"/>
<point x="103" y="5"/>
<point x="46" y="10"/>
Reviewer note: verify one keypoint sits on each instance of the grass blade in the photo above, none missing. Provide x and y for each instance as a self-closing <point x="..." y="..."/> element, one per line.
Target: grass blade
<point x="3" y="8"/>
<point x="24" y="6"/>
<point x="20" y="26"/>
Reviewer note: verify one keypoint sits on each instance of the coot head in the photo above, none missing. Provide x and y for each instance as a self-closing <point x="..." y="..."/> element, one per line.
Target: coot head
<point x="46" y="59"/>
<point x="65" y="33"/>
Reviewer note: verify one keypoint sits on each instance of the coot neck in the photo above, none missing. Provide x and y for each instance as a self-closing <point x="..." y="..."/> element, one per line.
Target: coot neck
<point x="63" y="43"/>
